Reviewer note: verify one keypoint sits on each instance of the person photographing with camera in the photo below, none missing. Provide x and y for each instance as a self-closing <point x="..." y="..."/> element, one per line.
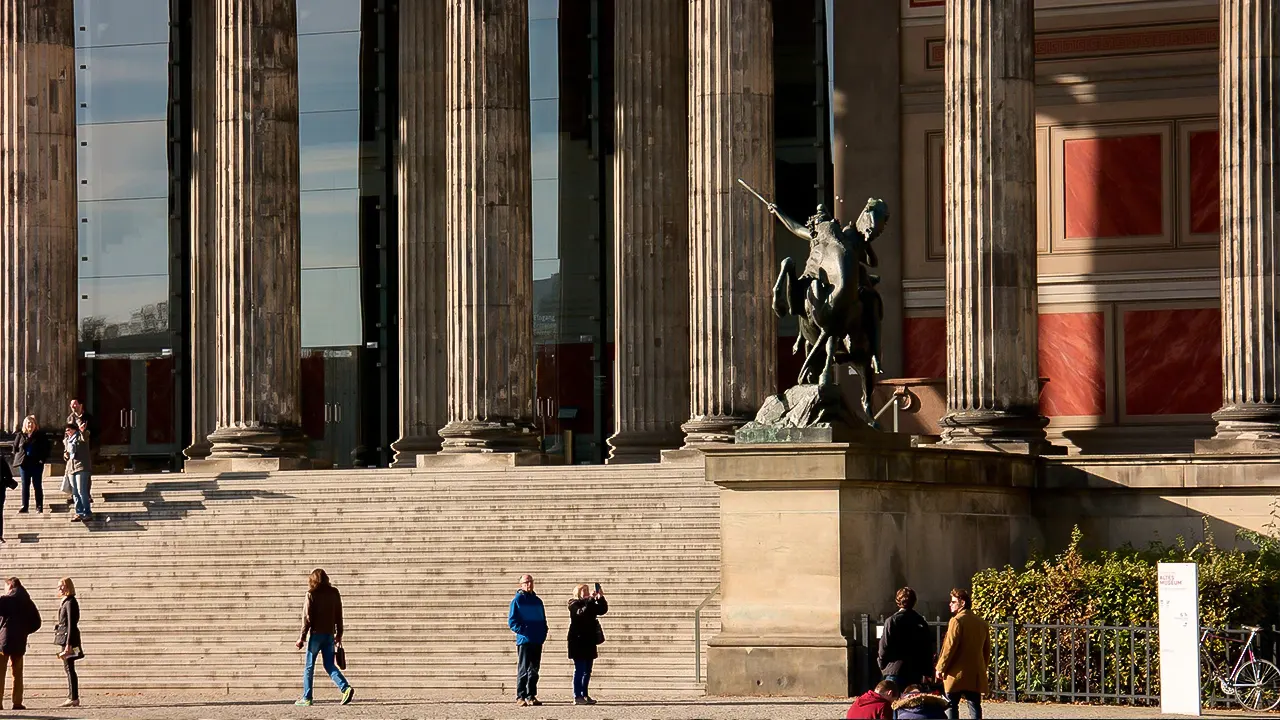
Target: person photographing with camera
<point x="585" y="634"/>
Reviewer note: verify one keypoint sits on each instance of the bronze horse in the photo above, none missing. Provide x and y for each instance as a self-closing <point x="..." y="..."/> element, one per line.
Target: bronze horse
<point x="834" y="298"/>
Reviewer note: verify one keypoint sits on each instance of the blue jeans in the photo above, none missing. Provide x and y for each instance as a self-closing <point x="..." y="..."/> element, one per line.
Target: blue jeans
<point x="321" y="645"/>
<point x="528" y="660"/>
<point x="32" y="474"/>
<point x="972" y="699"/>
<point x="581" y="677"/>
<point x="81" y="487"/>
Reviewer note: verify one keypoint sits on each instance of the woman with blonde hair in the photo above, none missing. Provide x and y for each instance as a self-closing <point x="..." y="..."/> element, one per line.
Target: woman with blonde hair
<point x="585" y="634"/>
<point x="30" y="452"/>
<point x="66" y="635"/>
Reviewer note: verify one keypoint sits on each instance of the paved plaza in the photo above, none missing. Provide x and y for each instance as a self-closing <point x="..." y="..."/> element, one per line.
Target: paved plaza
<point x="477" y="706"/>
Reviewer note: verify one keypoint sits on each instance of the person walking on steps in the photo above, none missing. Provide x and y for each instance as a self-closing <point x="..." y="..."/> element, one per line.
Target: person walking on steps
<point x="585" y="634"/>
<point x="528" y="620"/>
<point x="322" y="618"/>
<point x="76" y="452"/>
<point x="66" y="635"/>
<point x="30" y="453"/>
<point x="19" y="617"/>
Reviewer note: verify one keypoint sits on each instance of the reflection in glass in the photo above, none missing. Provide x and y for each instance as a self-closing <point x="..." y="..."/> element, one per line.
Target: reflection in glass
<point x="544" y="59"/>
<point x="546" y="219"/>
<point x="122" y="160"/>
<point x="543" y="9"/>
<point x="319" y="16"/>
<point x="329" y="72"/>
<point x="121" y="23"/>
<point x="330" y="229"/>
<point x="122" y="83"/>
<point x="544" y="120"/>
<point x="124" y="237"/>
<point x="330" y="307"/>
<point x="112" y="307"/>
<point x="330" y="148"/>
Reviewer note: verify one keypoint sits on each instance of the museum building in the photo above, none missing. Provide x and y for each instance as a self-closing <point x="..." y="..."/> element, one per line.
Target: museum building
<point x="359" y="231"/>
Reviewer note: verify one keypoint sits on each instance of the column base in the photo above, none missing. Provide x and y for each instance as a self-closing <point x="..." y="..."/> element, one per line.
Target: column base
<point x="998" y="431"/>
<point x="480" y="460"/>
<point x="408" y="449"/>
<point x="642" y="446"/>
<point x="257" y="441"/>
<point x="214" y="466"/>
<point x="795" y="666"/>
<point x="199" y="450"/>
<point x="712" y="430"/>
<point x="1244" y="429"/>
<point x="503" y="436"/>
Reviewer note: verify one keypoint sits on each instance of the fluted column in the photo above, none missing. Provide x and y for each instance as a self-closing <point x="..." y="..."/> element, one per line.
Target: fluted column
<point x="992" y="382"/>
<point x="258" y="228"/>
<point x="490" y="231"/>
<point x="420" y="179"/>
<point x="203" y="216"/>
<point x="38" y="248"/>
<point x="651" y="221"/>
<point x="733" y="334"/>
<point x="1249" y="133"/>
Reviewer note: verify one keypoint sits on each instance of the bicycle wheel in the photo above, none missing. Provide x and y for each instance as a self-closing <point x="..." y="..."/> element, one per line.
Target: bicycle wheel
<point x="1257" y="685"/>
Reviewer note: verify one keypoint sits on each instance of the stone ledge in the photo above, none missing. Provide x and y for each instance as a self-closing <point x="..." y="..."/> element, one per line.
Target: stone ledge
<point x="214" y="466"/>
<point x="489" y="460"/>
<point x="1162" y="472"/>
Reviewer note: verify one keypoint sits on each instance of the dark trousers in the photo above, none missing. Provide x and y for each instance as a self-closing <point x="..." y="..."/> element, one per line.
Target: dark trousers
<point x="73" y="682"/>
<point x="32" y="476"/>
<point x="581" y="677"/>
<point x="529" y="660"/>
<point x="973" y="699"/>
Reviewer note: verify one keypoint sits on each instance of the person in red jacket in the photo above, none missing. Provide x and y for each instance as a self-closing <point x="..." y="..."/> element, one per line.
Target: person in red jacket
<point x="876" y="704"/>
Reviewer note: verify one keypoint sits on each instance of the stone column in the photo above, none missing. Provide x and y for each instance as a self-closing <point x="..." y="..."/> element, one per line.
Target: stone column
<point x="1249" y="136"/>
<point x="651" y="221"/>
<point x="204" y="262"/>
<point x="38" y="246"/>
<point x="992" y="383"/>
<point x="420" y="179"/>
<point x="733" y="335"/>
<point x="258" y="228"/>
<point x="490" y="229"/>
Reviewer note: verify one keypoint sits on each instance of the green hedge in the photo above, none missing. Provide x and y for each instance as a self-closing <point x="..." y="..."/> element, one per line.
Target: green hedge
<point x="1116" y="588"/>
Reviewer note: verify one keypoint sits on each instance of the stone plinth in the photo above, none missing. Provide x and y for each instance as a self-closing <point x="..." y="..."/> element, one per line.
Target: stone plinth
<point x="815" y="535"/>
<point x="481" y="460"/>
<point x="1249" y="138"/>
<point x="216" y="466"/>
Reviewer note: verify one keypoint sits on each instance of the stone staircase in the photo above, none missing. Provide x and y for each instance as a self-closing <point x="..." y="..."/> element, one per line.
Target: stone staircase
<point x="191" y="582"/>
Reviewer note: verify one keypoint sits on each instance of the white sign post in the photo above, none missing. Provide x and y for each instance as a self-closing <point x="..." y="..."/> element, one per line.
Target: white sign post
<point x="1179" y="597"/>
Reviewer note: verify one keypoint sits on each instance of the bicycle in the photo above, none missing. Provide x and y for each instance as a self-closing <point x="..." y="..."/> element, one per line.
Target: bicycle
<point x="1253" y="683"/>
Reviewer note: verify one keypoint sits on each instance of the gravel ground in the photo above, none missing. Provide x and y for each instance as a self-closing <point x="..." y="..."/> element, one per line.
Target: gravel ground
<point x="475" y="706"/>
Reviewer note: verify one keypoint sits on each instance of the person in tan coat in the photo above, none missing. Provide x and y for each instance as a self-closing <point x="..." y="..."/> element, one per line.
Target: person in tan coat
<point x="966" y="650"/>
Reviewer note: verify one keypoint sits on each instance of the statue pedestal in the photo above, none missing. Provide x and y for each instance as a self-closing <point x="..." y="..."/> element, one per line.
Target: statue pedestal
<point x="815" y="535"/>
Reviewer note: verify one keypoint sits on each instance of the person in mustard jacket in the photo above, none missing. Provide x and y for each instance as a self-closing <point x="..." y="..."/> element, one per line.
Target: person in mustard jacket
<point x="966" y="650"/>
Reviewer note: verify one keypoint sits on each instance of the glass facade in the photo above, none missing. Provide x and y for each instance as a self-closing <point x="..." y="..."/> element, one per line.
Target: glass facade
<point x="131" y="91"/>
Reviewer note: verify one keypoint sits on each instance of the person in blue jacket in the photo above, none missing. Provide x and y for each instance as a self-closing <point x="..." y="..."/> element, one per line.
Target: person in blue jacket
<point x="528" y="620"/>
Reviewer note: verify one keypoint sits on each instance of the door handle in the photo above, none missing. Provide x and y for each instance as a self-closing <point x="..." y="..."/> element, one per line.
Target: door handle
<point x="133" y="418"/>
<point x="337" y="412"/>
<point x="122" y="425"/>
<point x="326" y="413"/>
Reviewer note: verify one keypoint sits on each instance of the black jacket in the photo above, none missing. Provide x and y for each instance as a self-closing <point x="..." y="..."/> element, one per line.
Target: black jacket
<point x="38" y="453"/>
<point x="67" y="631"/>
<point x="18" y="619"/>
<point x="907" y="646"/>
<point x="584" y="629"/>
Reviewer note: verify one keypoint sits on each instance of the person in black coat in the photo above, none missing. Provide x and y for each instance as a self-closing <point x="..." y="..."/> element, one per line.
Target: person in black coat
<point x="18" y="619"/>
<point x="30" y="453"/>
<point x="585" y="634"/>
<point x="66" y="635"/>
<point x="907" y="644"/>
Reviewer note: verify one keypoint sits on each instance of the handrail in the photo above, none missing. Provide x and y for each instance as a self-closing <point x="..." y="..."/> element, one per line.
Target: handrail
<point x="898" y="393"/>
<point x="697" y="633"/>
